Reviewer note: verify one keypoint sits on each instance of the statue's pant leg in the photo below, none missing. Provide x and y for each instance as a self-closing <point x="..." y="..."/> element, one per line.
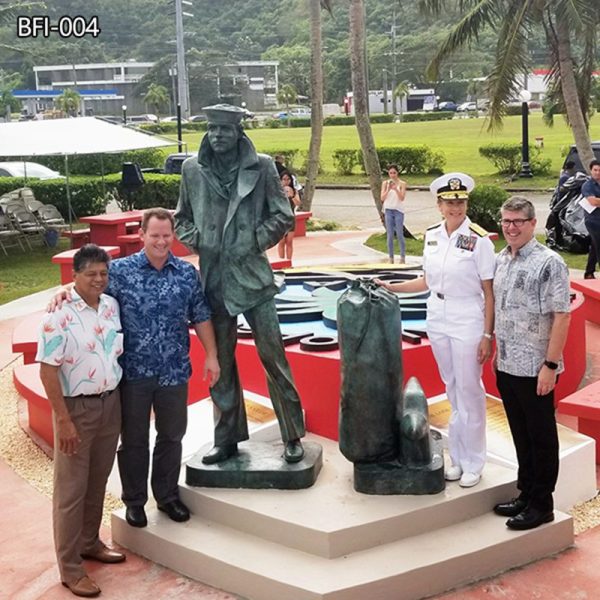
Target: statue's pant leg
<point x="284" y="396"/>
<point x="230" y="413"/>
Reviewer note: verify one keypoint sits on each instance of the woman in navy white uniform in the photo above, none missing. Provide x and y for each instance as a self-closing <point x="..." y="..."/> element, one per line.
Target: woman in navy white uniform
<point x="458" y="264"/>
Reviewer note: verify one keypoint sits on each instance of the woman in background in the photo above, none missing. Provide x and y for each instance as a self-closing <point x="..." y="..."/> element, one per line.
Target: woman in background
<point x="393" y="192"/>
<point x="285" y="248"/>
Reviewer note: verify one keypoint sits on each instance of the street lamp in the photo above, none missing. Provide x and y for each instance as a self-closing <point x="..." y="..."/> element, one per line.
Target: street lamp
<point x="124" y="109"/>
<point x="525" y="97"/>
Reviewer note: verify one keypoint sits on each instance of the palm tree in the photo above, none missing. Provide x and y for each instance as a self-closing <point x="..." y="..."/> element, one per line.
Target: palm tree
<point x="157" y="96"/>
<point x="287" y="95"/>
<point x="316" y="89"/>
<point x="360" y="89"/>
<point x="563" y="21"/>
<point x="68" y="102"/>
<point x="400" y="91"/>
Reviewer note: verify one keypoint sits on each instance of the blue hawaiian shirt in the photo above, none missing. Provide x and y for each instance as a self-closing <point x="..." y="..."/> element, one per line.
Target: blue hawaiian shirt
<point x="157" y="308"/>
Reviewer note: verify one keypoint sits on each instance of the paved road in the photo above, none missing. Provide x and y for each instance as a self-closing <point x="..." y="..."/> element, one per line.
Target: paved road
<point x="355" y="208"/>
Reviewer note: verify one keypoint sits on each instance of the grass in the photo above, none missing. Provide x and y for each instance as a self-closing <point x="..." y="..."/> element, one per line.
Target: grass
<point x="23" y="273"/>
<point x="415" y="248"/>
<point x="459" y="139"/>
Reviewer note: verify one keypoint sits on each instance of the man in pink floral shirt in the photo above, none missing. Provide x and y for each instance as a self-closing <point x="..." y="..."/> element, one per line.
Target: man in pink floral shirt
<point x="78" y="347"/>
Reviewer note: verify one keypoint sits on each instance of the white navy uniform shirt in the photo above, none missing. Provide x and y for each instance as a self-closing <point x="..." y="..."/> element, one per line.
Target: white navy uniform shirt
<point x="456" y="265"/>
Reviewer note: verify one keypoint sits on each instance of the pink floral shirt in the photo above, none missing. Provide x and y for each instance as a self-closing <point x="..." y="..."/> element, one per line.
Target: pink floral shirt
<point x="85" y="344"/>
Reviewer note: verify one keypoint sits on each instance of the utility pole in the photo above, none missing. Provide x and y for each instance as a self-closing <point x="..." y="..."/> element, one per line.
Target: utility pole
<point x="182" y="75"/>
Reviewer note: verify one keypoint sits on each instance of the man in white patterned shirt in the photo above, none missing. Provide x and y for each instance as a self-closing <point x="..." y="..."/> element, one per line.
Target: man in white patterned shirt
<point x="531" y="289"/>
<point x="78" y="348"/>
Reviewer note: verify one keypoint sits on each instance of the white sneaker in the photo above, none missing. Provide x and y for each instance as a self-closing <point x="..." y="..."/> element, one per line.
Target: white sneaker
<point x="453" y="473"/>
<point x="469" y="479"/>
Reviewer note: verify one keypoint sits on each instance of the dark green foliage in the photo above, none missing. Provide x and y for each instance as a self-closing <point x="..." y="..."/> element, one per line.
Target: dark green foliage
<point x="96" y="164"/>
<point x="298" y="122"/>
<point x="289" y="155"/>
<point x="409" y="159"/>
<point x="339" y="120"/>
<point x="507" y="158"/>
<point x="89" y="195"/>
<point x="382" y="118"/>
<point x="484" y="205"/>
<point x="170" y="128"/>
<point x="513" y="110"/>
<point x="344" y="160"/>
<point x="427" y="116"/>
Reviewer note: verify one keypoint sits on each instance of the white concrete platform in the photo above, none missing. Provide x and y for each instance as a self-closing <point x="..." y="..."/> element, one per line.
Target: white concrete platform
<point x="330" y="542"/>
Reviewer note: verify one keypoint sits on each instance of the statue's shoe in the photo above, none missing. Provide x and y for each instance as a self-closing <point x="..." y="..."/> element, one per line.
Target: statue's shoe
<point x="219" y="453"/>
<point x="294" y="452"/>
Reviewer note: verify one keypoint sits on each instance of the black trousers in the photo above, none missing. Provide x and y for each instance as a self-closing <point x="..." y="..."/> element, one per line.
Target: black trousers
<point x="138" y="398"/>
<point x="593" y="227"/>
<point x="533" y="428"/>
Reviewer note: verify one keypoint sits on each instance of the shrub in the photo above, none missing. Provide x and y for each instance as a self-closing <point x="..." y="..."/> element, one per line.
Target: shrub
<point x="339" y="120"/>
<point x="410" y="159"/>
<point x="484" y="205"/>
<point x="507" y="158"/>
<point x="170" y="127"/>
<point x="96" y="164"/>
<point x="513" y="111"/>
<point x="344" y="160"/>
<point x="89" y="194"/>
<point x="389" y="118"/>
<point x="427" y="116"/>
<point x="302" y="168"/>
<point x="298" y="122"/>
<point x="273" y="123"/>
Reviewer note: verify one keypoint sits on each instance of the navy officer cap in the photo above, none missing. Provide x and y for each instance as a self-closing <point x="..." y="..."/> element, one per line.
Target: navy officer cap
<point x="452" y="186"/>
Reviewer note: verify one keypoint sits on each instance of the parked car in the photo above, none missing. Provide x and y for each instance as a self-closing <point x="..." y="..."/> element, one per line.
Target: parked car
<point x="448" y="105"/>
<point x="173" y="120"/>
<point x="302" y="111"/>
<point x="573" y="155"/>
<point x="197" y="118"/>
<point x="466" y="106"/>
<point x="148" y="118"/>
<point x="27" y="169"/>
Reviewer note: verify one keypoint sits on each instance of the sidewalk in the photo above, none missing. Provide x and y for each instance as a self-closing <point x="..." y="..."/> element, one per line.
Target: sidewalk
<point x="27" y="563"/>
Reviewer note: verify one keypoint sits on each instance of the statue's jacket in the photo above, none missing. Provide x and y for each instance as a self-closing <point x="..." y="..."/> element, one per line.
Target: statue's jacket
<point x="232" y="230"/>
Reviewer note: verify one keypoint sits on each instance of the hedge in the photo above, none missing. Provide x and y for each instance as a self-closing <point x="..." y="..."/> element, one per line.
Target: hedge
<point x="87" y="193"/>
<point x="484" y="205"/>
<point x="409" y="159"/>
<point x="289" y="156"/>
<point x="170" y="128"/>
<point x="344" y="160"/>
<point x="94" y="164"/>
<point x="507" y="158"/>
<point x="442" y="115"/>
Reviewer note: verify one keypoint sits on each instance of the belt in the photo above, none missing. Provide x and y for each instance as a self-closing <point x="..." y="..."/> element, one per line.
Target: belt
<point x="446" y="297"/>
<point x="101" y="395"/>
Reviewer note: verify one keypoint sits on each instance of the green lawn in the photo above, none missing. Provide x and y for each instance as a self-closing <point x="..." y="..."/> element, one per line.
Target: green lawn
<point x="24" y="273"/>
<point x="459" y="139"/>
<point x="415" y="248"/>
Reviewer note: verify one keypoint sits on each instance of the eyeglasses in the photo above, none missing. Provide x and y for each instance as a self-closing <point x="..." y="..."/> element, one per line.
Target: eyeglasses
<point x="516" y="222"/>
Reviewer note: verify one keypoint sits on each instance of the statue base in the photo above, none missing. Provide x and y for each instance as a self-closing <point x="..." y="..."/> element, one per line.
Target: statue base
<point x="394" y="478"/>
<point x="257" y="465"/>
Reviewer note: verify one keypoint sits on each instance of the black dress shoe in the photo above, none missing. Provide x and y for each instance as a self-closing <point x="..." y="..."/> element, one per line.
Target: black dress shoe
<point x="511" y="508"/>
<point x="219" y="453"/>
<point x="176" y="510"/>
<point x="136" y="516"/>
<point x="530" y="518"/>
<point x="294" y="452"/>
<point x="589" y="276"/>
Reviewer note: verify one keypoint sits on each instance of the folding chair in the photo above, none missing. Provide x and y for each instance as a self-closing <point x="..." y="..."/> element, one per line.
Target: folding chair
<point x="50" y="217"/>
<point x="27" y="224"/>
<point x="9" y="236"/>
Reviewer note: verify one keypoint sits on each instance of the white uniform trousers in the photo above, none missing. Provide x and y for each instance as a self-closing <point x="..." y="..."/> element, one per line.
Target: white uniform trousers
<point x="455" y="328"/>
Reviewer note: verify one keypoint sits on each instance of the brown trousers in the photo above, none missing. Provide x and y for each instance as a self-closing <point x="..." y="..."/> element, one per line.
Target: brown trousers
<point x="80" y="481"/>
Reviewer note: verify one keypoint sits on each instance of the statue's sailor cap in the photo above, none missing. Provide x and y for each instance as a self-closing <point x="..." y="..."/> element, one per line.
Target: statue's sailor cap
<point x="452" y="186"/>
<point x="224" y="114"/>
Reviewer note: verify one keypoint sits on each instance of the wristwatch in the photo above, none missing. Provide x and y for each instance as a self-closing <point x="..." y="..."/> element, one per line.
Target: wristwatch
<point x="489" y="336"/>
<point x="551" y="365"/>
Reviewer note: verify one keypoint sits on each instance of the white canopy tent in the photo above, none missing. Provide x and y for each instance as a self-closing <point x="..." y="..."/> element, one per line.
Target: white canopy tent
<point x="68" y="137"/>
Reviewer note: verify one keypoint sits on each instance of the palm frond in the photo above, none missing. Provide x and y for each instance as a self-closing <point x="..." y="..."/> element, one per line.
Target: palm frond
<point x="511" y="60"/>
<point x="431" y="7"/>
<point x="328" y="6"/>
<point x="574" y="12"/>
<point x="9" y="13"/>
<point x="482" y="13"/>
